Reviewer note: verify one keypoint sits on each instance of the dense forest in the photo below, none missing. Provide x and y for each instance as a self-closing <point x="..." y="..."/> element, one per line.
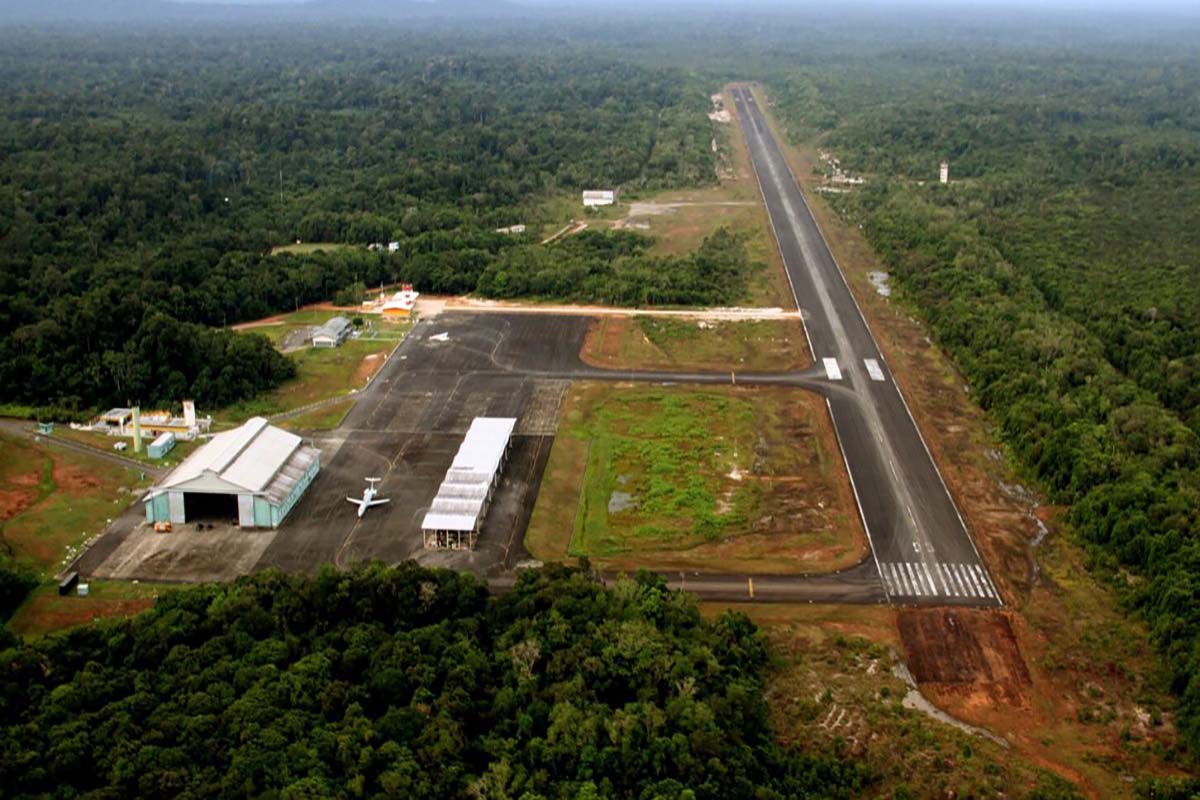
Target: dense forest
<point x="1060" y="270"/>
<point x="404" y="683"/>
<point x="144" y="180"/>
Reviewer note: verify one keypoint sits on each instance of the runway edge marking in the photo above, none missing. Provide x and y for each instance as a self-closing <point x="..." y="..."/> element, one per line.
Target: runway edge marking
<point x="828" y="407"/>
<point x="878" y="350"/>
<point x="858" y="504"/>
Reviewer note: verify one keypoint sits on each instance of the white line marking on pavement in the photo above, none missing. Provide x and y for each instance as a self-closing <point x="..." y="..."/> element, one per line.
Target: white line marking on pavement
<point x="929" y="579"/>
<point x="832" y="370"/>
<point x="974" y="580"/>
<point x="963" y="582"/>
<point x="900" y="583"/>
<point x="983" y="581"/>
<point x="948" y="578"/>
<point x="891" y="587"/>
<point x="912" y="576"/>
<point x="873" y="369"/>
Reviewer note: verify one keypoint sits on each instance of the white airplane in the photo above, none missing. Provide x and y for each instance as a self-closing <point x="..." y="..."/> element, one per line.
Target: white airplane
<point x="368" y="498"/>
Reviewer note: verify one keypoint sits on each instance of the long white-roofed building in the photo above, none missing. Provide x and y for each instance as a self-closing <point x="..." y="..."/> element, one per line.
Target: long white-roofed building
<point x="460" y="506"/>
<point x="252" y="475"/>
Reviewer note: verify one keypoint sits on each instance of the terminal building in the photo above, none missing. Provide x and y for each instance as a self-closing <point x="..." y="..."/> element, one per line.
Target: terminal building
<point x="251" y="476"/>
<point x="457" y="513"/>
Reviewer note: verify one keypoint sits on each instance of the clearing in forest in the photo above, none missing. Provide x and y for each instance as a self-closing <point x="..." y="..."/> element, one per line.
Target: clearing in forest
<point x="717" y="479"/>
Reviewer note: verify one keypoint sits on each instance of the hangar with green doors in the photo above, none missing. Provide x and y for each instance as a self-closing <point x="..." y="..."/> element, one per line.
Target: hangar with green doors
<point x="251" y="476"/>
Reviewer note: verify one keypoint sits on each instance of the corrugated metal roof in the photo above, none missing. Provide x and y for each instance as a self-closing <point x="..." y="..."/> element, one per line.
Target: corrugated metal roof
<point x="461" y="497"/>
<point x="247" y="458"/>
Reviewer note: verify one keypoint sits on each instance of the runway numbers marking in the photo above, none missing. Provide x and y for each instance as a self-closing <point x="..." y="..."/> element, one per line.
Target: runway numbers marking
<point x="873" y="369"/>
<point x="935" y="579"/>
<point x="832" y="369"/>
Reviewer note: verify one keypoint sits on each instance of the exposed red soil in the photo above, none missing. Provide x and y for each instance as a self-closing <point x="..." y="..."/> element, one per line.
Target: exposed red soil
<point x="46" y="614"/>
<point x="13" y="502"/>
<point x="369" y="366"/>
<point x="71" y="479"/>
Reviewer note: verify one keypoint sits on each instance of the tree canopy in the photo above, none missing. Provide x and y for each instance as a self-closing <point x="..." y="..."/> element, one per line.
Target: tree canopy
<point x="406" y="683"/>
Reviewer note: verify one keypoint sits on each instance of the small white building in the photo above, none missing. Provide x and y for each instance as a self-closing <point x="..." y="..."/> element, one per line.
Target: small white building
<point x="393" y="247"/>
<point x="944" y="173"/>
<point x="332" y="333"/>
<point x="513" y="229"/>
<point x="599" y="197"/>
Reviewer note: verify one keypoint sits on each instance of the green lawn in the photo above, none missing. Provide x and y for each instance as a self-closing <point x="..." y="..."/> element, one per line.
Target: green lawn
<point x="305" y="248"/>
<point x="56" y="499"/>
<point x="102" y="441"/>
<point x="44" y="611"/>
<point x="322" y="373"/>
<point x="727" y="478"/>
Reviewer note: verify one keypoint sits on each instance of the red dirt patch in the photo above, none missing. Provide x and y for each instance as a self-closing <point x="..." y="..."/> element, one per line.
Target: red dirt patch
<point x="72" y="479"/>
<point x="964" y="648"/>
<point x="369" y="366"/>
<point x="46" y="614"/>
<point x="14" y="502"/>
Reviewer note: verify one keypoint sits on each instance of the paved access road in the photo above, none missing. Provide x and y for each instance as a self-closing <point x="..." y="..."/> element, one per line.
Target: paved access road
<point x="920" y="544"/>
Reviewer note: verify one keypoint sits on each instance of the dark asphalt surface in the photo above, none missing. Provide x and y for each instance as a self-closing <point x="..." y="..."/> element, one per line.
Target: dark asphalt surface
<point x="407" y="425"/>
<point x="920" y="543"/>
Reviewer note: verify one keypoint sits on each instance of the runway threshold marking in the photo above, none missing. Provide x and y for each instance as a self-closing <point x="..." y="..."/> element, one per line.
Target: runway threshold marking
<point x="916" y="579"/>
<point x="873" y="369"/>
<point x="832" y="370"/>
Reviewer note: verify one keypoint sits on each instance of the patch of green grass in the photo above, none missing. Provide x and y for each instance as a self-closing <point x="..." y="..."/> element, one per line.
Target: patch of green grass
<point x="319" y="419"/>
<point x="104" y="442"/>
<point x="662" y="451"/>
<point x="306" y="248"/>
<point x="322" y="373"/>
<point x="44" y="611"/>
<point x="71" y="499"/>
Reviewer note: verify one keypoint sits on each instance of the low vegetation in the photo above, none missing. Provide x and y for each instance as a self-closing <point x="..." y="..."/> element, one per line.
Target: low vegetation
<point x="408" y="683"/>
<point x="677" y="344"/>
<point x="715" y="479"/>
<point x="51" y="502"/>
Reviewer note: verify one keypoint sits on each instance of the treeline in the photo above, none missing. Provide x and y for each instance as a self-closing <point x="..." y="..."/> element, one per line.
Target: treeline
<point x="1058" y="270"/>
<point x="405" y="683"/>
<point x="143" y="176"/>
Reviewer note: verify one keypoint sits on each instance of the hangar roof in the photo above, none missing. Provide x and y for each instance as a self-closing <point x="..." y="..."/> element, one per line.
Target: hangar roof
<point x="463" y="494"/>
<point x="257" y="458"/>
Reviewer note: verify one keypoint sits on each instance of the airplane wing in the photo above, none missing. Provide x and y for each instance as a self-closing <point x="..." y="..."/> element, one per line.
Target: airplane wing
<point x="356" y="500"/>
<point x="380" y="502"/>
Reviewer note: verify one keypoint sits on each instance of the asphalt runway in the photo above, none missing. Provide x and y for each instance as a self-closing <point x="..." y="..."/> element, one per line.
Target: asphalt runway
<point x="407" y="425"/>
<point x="922" y="549"/>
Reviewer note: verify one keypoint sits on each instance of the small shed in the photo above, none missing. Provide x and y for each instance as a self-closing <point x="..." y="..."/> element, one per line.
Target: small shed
<point x="46" y="428"/>
<point x="162" y="445"/>
<point x="332" y="333"/>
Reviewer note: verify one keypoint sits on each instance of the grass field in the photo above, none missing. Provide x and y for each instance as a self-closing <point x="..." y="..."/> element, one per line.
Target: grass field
<point x="323" y="418"/>
<point x="53" y="500"/>
<point x="44" y="611"/>
<point x="728" y="479"/>
<point x="665" y="343"/>
<point x="102" y="441"/>
<point x="304" y="248"/>
<point x="322" y="373"/>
